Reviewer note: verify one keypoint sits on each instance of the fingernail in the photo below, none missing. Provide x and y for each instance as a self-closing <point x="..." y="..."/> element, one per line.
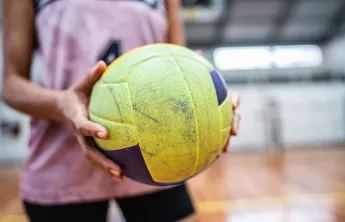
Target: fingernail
<point x="116" y="173"/>
<point x="101" y="135"/>
<point x="101" y="62"/>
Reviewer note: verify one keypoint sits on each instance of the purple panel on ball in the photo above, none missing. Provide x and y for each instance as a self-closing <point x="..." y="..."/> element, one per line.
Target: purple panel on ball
<point x="133" y="165"/>
<point x="219" y="85"/>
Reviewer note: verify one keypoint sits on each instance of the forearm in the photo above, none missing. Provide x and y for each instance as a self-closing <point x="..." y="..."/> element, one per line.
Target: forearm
<point x="31" y="99"/>
<point x="18" y="45"/>
<point x="175" y="23"/>
<point x="176" y="38"/>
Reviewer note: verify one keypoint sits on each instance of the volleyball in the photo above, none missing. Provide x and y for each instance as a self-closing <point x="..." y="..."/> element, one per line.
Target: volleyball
<point x="167" y="113"/>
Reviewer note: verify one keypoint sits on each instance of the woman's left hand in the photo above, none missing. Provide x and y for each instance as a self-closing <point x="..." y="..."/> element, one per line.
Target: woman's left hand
<point x="235" y="100"/>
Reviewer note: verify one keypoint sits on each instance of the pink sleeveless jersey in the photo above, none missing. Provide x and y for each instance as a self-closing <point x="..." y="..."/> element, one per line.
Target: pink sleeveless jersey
<point x="73" y="35"/>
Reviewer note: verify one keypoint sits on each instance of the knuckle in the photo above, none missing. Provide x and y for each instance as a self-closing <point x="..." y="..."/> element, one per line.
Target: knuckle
<point x="88" y="132"/>
<point x="80" y="128"/>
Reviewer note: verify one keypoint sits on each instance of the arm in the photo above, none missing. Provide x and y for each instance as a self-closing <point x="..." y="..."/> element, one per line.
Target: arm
<point x="66" y="106"/>
<point x="175" y="23"/>
<point x="18" y="92"/>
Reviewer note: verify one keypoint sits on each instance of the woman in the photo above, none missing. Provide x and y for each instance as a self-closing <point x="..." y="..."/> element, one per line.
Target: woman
<point x="65" y="178"/>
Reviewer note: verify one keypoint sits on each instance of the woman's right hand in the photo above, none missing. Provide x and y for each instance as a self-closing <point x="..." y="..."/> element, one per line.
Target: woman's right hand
<point x="73" y="109"/>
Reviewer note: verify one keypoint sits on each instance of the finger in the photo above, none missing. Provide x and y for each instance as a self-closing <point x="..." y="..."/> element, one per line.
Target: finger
<point x="87" y="128"/>
<point x="97" y="158"/>
<point x="105" y="164"/>
<point x="226" y="147"/>
<point x="199" y="52"/>
<point x="235" y="98"/>
<point x="235" y="125"/>
<point x="93" y="75"/>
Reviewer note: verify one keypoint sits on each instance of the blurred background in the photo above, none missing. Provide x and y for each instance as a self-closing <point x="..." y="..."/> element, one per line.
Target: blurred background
<point x="286" y="58"/>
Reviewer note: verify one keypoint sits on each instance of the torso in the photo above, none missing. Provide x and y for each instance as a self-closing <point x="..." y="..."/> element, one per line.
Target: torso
<point x="73" y="35"/>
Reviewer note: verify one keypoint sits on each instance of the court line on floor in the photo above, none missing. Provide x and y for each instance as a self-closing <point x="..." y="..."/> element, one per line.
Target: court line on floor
<point x="271" y="202"/>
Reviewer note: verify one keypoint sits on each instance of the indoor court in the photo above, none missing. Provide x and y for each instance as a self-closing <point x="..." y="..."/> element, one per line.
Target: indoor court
<point x="294" y="186"/>
<point x="286" y="59"/>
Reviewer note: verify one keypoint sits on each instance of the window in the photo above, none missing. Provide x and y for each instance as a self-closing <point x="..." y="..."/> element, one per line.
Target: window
<point x="249" y="58"/>
<point x="296" y="56"/>
<point x="243" y="58"/>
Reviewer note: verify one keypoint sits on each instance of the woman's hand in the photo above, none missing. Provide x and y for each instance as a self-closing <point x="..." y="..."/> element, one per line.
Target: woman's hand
<point x="73" y="107"/>
<point x="235" y="100"/>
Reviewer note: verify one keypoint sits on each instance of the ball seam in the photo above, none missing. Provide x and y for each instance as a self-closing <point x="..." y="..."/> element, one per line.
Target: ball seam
<point x="194" y="112"/>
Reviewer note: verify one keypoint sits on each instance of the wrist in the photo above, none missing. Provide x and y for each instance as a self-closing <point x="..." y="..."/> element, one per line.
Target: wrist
<point x="58" y="105"/>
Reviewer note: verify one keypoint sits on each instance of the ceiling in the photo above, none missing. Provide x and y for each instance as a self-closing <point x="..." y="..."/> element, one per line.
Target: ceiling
<point x="267" y="22"/>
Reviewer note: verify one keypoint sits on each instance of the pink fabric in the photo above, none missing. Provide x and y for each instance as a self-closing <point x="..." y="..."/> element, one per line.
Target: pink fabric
<point x="72" y="35"/>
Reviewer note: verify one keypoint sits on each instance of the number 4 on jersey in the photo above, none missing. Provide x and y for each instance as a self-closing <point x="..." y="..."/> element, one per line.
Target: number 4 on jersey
<point x="112" y="51"/>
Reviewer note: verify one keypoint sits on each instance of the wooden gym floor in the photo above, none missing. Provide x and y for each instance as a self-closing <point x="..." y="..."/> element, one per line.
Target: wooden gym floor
<point x="295" y="186"/>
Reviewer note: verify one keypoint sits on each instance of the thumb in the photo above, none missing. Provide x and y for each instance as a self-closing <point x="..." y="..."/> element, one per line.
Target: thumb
<point x="92" y="76"/>
<point x="88" y="128"/>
